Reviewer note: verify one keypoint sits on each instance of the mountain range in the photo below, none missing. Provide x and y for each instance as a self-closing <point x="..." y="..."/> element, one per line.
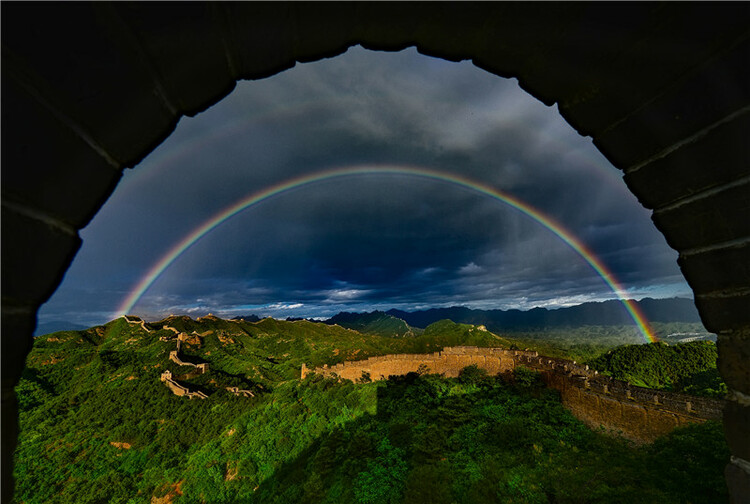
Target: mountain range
<point x="594" y="313"/>
<point x="399" y="323"/>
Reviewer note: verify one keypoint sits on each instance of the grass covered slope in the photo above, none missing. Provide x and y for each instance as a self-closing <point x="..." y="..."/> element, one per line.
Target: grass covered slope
<point x="685" y="367"/>
<point x="376" y="322"/>
<point x="97" y="425"/>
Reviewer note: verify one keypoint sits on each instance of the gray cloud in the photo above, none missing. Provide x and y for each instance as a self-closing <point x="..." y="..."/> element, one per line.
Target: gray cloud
<point x="370" y="241"/>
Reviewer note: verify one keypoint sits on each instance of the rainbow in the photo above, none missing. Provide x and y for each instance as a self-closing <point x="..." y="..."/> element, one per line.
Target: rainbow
<point x="255" y="198"/>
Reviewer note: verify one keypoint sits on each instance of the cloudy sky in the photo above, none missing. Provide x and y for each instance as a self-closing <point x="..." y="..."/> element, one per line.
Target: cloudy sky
<point x="367" y="241"/>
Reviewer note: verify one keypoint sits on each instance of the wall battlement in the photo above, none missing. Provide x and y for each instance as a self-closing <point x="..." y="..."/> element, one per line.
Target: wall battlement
<point x="167" y="377"/>
<point x="636" y="413"/>
<point x="178" y="389"/>
<point x="132" y="319"/>
<point x="448" y="362"/>
<point x="241" y="392"/>
<point x="174" y="357"/>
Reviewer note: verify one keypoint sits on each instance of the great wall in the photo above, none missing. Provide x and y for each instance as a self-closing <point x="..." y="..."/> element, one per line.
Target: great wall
<point x="635" y="413"/>
<point x="178" y="389"/>
<point x="168" y="378"/>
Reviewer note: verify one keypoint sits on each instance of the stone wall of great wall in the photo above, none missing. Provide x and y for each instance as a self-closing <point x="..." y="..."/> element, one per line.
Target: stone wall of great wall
<point x="448" y="362"/>
<point x="168" y="378"/>
<point x="174" y="356"/>
<point x="636" y="413"/>
<point x="130" y="319"/>
<point x="178" y="389"/>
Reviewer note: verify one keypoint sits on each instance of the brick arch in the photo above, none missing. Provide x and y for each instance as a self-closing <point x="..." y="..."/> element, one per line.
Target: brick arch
<point x="90" y="89"/>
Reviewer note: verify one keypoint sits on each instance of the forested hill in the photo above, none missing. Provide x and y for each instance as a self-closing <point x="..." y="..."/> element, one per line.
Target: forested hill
<point x="688" y="367"/>
<point x="376" y="322"/>
<point x="599" y="313"/>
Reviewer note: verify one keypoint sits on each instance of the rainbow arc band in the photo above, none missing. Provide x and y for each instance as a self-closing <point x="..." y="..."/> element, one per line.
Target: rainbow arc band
<point x="558" y="229"/>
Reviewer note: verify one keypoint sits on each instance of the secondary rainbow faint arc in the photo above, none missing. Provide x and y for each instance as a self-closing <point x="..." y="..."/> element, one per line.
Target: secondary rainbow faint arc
<point x="557" y="228"/>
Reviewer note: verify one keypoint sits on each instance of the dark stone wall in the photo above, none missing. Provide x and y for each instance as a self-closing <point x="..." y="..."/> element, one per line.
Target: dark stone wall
<point x="89" y="89"/>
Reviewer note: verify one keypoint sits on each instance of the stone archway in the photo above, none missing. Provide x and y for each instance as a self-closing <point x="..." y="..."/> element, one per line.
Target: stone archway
<point x="91" y="89"/>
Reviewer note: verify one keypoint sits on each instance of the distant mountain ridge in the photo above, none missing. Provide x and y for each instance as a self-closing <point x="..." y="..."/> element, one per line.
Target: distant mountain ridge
<point x="399" y="323"/>
<point x="55" y="326"/>
<point x="247" y="318"/>
<point x="593" y="313"/>
<point x="376" y="322"/>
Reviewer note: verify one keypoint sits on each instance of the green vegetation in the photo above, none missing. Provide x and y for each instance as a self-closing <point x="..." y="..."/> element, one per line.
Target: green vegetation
<point x="585" y="343"/>
<point x="686" y="367"/>
<point x="376" y="322"/>
<point x="97" y="425"/>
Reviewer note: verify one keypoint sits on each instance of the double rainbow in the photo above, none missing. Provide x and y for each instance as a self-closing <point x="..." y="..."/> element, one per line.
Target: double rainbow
<point x="558" y="229"/>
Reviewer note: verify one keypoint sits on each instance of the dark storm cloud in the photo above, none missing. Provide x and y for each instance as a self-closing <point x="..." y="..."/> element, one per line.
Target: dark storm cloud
<point x="368" y="242"/>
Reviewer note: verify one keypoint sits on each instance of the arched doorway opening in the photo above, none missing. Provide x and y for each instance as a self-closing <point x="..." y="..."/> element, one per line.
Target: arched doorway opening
<point x="91" y="89"/>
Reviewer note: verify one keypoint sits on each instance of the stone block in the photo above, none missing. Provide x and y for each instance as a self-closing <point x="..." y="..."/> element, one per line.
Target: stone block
<point x="717" y="158"/>
<point x="565" y="71"/>
<point x="452" y="360"/>
<point x="493" y="365"/>
<point x="465" y="360"/>
<point x="35" y="256"/>
<point x="690" y="106"/>
<point x="634" y="420"/>
<point x="51" y="169"/>
<point x="570" y="398"/>
<point x="9" y="439"/>
<point x="734" y="356"/>
<point x="653" y="55"/>
<point x="724" y="313"/>
<point x="738" y="482"/>
<point x="185" y="46"/>
<point x="660" y="422"/>
<point x="387" y="26"/>
<point x="323" y="30"/>
<point x="717" y="270"/>
<point x="261" y="36"/>
<point x="454" y="31"/>
<point x="716" y="218"/>
<point x="18" y="324"/>
<point x="737" y="429"/>
<point x="611" y="410"/>
<point x="592" y="411"/>
<point x="115" y="103"/>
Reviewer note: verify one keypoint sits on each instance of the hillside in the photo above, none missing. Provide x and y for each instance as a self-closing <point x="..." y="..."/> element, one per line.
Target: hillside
<point x="376" y="322"/>
<point x="687" y="367"/>
<point x="99" y="425"/>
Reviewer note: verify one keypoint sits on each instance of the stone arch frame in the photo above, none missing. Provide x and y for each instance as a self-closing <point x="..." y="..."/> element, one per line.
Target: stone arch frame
<point x="89" y="89"/>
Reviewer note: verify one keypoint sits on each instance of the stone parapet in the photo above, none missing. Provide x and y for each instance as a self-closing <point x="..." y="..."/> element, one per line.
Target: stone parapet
<point x="178" y="389"/>
<point x="174" y="357"/>
<point x="241" y="392"/>
<point x="448" y="362"/>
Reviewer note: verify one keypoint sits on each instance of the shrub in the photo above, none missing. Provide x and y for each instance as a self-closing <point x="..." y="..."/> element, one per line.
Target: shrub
<point x="471" y="375"/>
<point x="526" y="377"/>
<point x="365" y="378"/>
